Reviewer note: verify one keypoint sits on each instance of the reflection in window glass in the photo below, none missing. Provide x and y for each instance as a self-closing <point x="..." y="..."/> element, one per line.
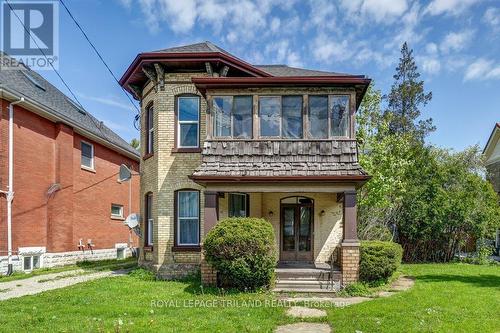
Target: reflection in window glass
<point x="340" y="115"/>
<point x="188" y="217"/>
<point x="318" y="117"/>
<point x="222" y="115"/>
<point x="270" y="114"/>
<point x="242" y="117"/>
<point x="188" y="113"/>
<point x="238" y="205"/>
<point x="292" y="117"/>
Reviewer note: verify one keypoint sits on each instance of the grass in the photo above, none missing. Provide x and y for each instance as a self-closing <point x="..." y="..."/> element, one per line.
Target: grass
<point x="445" y="298"/>
<point x="90" y="266"/>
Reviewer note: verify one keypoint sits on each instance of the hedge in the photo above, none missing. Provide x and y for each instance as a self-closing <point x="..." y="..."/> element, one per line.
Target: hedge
<point x="243" y="250"/>
<point x="379" y="260"/>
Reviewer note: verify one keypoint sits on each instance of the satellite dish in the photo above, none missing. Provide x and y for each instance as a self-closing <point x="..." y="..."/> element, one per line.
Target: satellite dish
<point x="132" y="220"/>
<point x="124" y="174"/>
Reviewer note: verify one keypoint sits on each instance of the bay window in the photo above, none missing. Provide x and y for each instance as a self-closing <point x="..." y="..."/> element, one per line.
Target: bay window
<point x="232" y="116"/>
<point x="188" y="121"/>
<point x="188" y="217"/>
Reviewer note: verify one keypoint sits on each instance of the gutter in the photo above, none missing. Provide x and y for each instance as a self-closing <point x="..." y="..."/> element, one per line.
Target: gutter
<point x="10" y="187"/>
<point x="43" y="111"/>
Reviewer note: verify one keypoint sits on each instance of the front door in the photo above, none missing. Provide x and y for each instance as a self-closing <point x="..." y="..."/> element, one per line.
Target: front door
<point x="296" y="232"/>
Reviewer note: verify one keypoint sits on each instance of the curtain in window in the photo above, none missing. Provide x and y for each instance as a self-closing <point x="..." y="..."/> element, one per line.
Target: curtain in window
<point x="292" y="117"/>
<point x="237" y="205"/>
<point x="270" y="114"/>
<point x="222" y="115"/>
<point x="86" y="155"/>
<point x="318" y="117"/>
<point x="242" y="117"/>
<point x="188" y="121"/>
<point x="150" y="143"/>
<point x="188" y="217"/>
<point x="340" y="115"/>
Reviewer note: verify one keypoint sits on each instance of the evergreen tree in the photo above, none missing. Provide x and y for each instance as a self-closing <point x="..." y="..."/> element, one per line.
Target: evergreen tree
<point x="406" y="98"/>
<point x="135" y="143"/>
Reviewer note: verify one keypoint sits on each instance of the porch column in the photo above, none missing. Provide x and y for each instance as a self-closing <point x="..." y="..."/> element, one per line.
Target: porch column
<point x="208" y="274"/>
<point x="349" y="261"/>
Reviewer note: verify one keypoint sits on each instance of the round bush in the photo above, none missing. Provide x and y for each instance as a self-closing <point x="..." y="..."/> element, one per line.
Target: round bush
<point x="379" y="260"/>
<point x="244" y="252"/>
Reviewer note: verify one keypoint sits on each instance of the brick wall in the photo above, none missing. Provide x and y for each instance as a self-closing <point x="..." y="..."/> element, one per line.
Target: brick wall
<point x="46" y="153"/>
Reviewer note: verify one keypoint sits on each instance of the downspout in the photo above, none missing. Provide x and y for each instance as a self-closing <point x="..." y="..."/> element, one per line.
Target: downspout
<point x="10" y="193"/>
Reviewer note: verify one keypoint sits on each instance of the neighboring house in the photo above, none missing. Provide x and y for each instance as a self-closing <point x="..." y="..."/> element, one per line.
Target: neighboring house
<point x="67" y="204"/>
<point x="221" y="137"/>
<point x="492" y="158"/>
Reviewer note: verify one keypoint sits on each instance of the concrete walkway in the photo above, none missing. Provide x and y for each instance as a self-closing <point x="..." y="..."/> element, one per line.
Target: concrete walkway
<point x="41" y="283"/>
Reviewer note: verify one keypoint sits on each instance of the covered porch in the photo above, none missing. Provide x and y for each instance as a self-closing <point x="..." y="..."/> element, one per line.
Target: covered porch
<point x="314" y="224"/>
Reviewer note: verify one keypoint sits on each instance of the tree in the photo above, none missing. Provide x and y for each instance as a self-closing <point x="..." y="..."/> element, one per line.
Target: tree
<point x="135" y="143"/>
<point x="406" y="98"/>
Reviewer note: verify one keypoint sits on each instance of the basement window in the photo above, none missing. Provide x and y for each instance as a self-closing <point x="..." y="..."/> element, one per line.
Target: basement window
<point x="31" y="262"/>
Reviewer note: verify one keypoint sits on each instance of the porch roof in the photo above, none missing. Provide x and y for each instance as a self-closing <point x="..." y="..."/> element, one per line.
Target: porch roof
<point x="280" y="160"/>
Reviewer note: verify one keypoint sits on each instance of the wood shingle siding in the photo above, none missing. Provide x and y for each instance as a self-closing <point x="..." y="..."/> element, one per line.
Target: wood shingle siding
<point x="279" y="158"/>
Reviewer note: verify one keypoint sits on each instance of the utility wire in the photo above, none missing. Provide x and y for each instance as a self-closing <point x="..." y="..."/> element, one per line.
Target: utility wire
<point x="98" y="54"/>
<point x="54" y="69"/>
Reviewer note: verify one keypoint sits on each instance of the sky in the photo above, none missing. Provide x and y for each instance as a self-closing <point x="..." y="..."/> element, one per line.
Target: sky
<point x="456" y="44"/>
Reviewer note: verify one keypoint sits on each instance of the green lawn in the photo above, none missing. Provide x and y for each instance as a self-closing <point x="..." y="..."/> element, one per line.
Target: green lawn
<point x="445" y="298"/>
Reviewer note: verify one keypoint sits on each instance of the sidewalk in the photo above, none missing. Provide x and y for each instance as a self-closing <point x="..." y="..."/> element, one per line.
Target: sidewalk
<point x="41" y="283"/>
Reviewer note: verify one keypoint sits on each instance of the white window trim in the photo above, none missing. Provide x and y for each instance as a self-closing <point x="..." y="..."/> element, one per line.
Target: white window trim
<point x="150" y="232"/>
<point x="121" y="211"/>
<point x="92" y="168"/>
<point x="245" y="195"/>
<point x="187" y="218"/>
<point x="180" y="122"/>
<point x="40" y="263"/>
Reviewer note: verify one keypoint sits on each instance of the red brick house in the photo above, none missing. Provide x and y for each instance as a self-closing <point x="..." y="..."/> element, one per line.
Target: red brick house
<point x="67" y="204"/>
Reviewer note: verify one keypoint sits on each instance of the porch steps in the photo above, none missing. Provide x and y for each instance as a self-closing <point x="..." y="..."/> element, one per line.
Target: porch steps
<point x="305" y="279"/>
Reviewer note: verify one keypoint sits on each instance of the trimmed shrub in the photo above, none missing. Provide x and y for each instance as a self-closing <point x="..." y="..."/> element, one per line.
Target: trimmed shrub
<point x="244" y="252"/>
<point x="379" y="260"/>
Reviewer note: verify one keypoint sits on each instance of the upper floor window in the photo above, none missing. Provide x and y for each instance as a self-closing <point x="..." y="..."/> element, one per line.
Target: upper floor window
<point x="150" y="130"/>
<point x="188" y="121"/>
<point x="188" y="217"/>
<point x="328" y="116"/>
<point x="232" y="116"/>
<point x="281" y="116"/>
<point x="87" y="155"/>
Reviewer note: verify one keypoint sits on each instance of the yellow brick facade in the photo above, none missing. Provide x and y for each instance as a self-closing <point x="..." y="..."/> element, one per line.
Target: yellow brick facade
<point x="167" y="171"/>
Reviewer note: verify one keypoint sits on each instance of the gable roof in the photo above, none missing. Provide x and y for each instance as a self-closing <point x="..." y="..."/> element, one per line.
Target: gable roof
<point x="32" y="86"/>
<point x="493" y="140"/>
<point x="202" y="47"/>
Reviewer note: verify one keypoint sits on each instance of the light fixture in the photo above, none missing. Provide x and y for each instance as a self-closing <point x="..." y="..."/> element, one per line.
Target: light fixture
<point x="322" y="213"/>
<point x="271" y="213"/>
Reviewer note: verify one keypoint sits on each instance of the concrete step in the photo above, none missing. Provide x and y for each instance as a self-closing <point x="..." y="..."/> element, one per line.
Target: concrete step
<point x="298" y="285"/>
<point x="306" y="273"/>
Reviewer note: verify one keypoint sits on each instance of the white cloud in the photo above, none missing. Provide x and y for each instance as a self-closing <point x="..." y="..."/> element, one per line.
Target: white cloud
<point x="451" y="7"/>
<point x="275" y="24"/>
<point x="492" y="17"/>
<point x="431" y="65"/>
<point x="282" y="52"/>
<point x="381" y="11"/>
<point x="108" y="100"/>
<point x="328" y="50"/>
<point x="482" y="69"/>
<point x="456" y="41"/>
<point x="431" y="48"/>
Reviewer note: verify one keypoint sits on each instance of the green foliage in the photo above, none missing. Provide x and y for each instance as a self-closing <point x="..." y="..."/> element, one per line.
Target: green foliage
<point x="379" y="260"/>
<point x="406" y="97"/>
<point x="142" y="274"/>
<point x="135" y="143"/>
<point x="244" y="252"/>
<point x="356" y="289"/>
<point x="428" y="199"/>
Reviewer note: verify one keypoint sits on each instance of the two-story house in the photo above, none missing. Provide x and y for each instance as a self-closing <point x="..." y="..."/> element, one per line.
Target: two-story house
<point x="221" y="137"/>
<point x="492" y="161"/>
